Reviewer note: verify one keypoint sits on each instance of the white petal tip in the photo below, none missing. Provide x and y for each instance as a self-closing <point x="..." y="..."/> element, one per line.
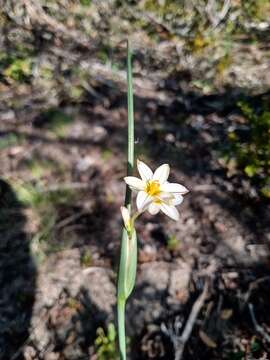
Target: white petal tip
<point x="174" y="188"/>
<point x="162" y="173"/>
<point x="144" y="170"/>
<point x="185" y="191"/>
<point x="170" y="211"/>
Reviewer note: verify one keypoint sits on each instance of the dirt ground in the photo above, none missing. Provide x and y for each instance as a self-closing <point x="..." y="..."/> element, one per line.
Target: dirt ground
<point x="62" y="164"/>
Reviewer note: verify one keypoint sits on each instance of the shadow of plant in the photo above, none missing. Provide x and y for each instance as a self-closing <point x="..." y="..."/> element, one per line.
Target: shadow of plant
<point x="17" y="276"/>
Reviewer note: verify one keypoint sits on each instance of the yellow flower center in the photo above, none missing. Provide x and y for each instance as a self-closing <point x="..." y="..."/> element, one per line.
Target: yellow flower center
<point x="152" y="188"/>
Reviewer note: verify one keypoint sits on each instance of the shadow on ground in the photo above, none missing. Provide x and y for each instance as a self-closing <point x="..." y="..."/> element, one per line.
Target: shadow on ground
<point x="17" y="276"/>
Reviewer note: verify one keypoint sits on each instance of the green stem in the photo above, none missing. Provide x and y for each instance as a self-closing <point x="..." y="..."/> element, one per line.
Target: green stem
<point x="121" y="328"/>
<point x="127" y="267"/>
<point x="130" y="163"/>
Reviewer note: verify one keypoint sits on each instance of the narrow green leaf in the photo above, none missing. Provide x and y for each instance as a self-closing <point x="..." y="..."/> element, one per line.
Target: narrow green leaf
<point x="121" y="291"/>
<point x="132" y="264"/>
<point x="128" y="265"/>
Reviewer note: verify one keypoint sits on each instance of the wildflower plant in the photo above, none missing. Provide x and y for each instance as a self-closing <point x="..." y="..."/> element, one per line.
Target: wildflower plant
<point x="154" y="193"/>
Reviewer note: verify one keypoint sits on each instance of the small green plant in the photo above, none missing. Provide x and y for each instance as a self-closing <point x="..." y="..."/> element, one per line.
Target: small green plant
<point x="73" y="304"/>
<point x="56" y="121"/>
<point x="9" y="140"/>
<point x="106" y="154"/>
<point x="40" y="167"/>
<point x="45" y="207"/>
<point x="173" y="243"/>
<point x="255" y="345"/>
<point x="19" y="69"/>
<point x="85" y="2"/>
<point x="86" y="258"/>
<point x="251" y="148"/>
<point x="256" y="9"/>
<point x="105" y="344"/>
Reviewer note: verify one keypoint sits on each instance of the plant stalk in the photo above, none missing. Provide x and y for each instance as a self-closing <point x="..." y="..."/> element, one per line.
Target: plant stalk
<point x="127" y="267"/>
<point x="130" y="162"/>
<point x="121" y="328"/>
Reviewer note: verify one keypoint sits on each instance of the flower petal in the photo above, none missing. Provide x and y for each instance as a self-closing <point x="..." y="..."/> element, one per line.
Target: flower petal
<point x="178" y="199"/>
<point x="144" y="170"/>
<point x="143" y="200"/>
<point x="174" y="188"/>
<point x="166" y="197"/>
<point x="161" y="174"/>
<point x="134" y="183"/>
<point x="170" y="211"/>
<point x="153" y="208"/>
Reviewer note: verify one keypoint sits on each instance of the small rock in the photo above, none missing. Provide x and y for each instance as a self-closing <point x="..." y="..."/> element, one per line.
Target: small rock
<point x="8" y="115"/>
<point x="99" y="133"/>
<point x="155" y="274"/>
<point x="29" y="353"/>
<point x="72" y="352"/>
<point x="51" y="356"/>
<point x="147" y="254"/>
<point x="179" y="282"/>
<point x="85" y="163"/>
<point x="170" y="138"/>
<point x="15" y="150"/>
<point x="220" y="227"/>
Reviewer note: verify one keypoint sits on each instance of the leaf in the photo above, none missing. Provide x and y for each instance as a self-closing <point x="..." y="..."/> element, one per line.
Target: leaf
<point x="121" y="293"/>
<point x="250" y="170"/>
<point x="132" y="264"/>
<point x="266" y="191"/>
<point x="128" y="265"/>
<point x="207" y="340"/>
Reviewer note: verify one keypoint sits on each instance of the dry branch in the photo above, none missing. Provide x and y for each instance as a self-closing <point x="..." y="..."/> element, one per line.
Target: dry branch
<point x="196" y="308"/>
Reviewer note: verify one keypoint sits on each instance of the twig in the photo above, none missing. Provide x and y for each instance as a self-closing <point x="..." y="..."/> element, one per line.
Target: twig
<point x="224" y="11"/>
<point x="217" y="17"/>
<point x="70" y="219"/>
<point x="190" y="322"/>
<point x="65" y="187"/>
<point x="204" y="187"/>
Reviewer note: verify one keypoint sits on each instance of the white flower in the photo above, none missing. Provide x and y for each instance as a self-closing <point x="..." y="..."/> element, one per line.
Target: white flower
<point x="155" y="193"/>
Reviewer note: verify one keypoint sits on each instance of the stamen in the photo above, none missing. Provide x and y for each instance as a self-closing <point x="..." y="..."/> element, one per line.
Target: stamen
<point x="152" y="188"/>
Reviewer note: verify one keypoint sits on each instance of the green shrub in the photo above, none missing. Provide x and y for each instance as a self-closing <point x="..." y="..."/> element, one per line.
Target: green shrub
<point x="251" y="148"/>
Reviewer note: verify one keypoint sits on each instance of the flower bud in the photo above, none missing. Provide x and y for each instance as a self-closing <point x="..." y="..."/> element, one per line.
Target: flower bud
<point x="126" y="218"/>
